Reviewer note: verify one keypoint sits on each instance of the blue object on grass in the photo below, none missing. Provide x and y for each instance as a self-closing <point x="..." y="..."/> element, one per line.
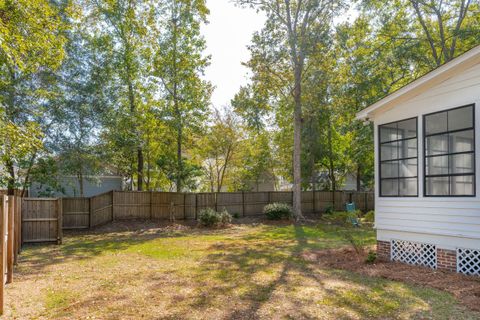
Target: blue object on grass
<point x="350" y="207"/>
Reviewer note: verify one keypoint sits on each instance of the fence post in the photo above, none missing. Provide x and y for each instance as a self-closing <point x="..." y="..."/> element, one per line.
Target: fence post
<point x="90" y="212"/>
<point x="113" y="205"/>
<point x="10" y="239"/>
<point x="59" y="220"/>
<point x="151" y="205"/>
<point x="313" y="201"/>
<point x="366" y="201"/>
<point x="184" y="206"/>
<point x="196" y="204"/>
<point x="3" y="213"/>
<point x="216" y="201"/>
<point x="243" y="203"/>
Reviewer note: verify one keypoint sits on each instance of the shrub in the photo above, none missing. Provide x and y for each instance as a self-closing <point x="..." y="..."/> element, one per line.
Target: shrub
<point x="225" y="217"/>
<point x="371" y="257"/>
<point x="209" y="217"/>
<point x="369" y="216"/>
<point x="236" y="215"/>
<point x="329" y="209"/>
<point x="277" y="211"/>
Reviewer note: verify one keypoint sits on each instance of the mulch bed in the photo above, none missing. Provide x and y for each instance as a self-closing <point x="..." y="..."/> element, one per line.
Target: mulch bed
<point x="465" y="288"/>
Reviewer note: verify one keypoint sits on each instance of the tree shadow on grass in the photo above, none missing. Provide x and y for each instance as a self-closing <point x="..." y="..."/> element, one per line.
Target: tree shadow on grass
<point x="243" y="277"/>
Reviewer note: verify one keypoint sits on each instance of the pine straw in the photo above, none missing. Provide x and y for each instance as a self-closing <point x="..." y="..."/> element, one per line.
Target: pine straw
<point x="466" y="289"/>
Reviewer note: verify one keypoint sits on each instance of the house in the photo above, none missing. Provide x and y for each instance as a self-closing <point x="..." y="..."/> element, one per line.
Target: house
<point x="69" y="186"/>
<point x="427" y="137"/>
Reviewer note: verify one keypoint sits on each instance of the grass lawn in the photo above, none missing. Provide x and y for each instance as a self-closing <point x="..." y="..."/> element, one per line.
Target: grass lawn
<point x="249" y="271"/>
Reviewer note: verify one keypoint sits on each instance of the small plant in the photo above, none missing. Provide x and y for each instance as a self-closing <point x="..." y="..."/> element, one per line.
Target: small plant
<point x="371" y="257"/>
<point x="225" y="217"/>
<point x="277" y="211"/>
<point x="209" y="217"/>
<point x="329" y="209"/>
<point x="236" y="215"/>
<point x="341" y="218"/>
<point x="369" y="216"/>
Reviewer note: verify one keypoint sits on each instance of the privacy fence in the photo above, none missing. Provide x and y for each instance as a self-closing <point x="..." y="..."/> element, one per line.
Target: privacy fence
<point x="10" y="239"/>
<point x="42" y="218"/>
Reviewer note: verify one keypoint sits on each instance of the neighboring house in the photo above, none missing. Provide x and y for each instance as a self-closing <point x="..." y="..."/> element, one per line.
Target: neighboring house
<point x="427" y="138"/>
<point x="92" y="185"/>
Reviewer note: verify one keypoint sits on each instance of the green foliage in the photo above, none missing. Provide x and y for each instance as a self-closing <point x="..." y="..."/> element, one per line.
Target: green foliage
<point x="210" y="218"/>
<point x="371" y="257"/>
<point x="342" y="218"/>
<point x="329" y="209"/>
<point x="369" y="216"/>
<point x="277" y="211"/>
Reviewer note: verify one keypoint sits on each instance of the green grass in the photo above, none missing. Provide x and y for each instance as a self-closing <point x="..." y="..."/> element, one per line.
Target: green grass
<point x="56" y="301"/>
<point x="248" y="271"/>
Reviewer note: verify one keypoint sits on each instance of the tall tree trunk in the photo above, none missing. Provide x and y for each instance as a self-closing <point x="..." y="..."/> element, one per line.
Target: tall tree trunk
<point x="333" y="180"/>
<point x="178" y="115"/>
<point x="139" y="168"/>
<point x="11" y="178"/>
<point x="297" y="148"/>
<point x="359" y="177"/>
<point x="131" y="98"/>
<point x="179" y="159"/>
<point x="80" y="183"/>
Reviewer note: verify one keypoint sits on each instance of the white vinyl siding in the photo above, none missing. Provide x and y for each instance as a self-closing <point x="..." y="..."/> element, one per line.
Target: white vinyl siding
<point x="442" y="220"/>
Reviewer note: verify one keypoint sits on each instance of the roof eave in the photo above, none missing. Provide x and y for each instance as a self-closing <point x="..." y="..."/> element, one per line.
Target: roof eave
<point x="417" y="86"/>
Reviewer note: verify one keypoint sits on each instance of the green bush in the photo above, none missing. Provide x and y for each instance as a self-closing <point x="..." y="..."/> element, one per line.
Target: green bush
<point x="209" y="217"/>
<point x="369" y="216"/>
<point x="329" y="209"/>
<point x="277" y="211"/>
<point x="225" y="217"/>
<point x="371" y="257"/>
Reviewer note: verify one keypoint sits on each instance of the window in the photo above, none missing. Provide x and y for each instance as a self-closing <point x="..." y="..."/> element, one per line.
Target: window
<point x="398" y="159"/>
<point x="450" y="152"/>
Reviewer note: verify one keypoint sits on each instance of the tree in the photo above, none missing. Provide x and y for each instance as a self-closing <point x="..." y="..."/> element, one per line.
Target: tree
<point x="295" y="26"/>
<point x="32" y="33"/>
<point x="132" y="28"/>
<point x="218" y="148"/>
<point x="179" y="65"/>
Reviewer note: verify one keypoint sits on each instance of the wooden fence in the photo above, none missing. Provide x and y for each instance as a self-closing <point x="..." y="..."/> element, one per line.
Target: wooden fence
<point x="83" y="213"/>
<point x="42" y="219"/>
<point x="10" y="240"/>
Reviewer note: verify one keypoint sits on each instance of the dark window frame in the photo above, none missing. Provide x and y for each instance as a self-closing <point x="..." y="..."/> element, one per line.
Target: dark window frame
<point x="448" y="154"/>
<point x="380" y="161"/>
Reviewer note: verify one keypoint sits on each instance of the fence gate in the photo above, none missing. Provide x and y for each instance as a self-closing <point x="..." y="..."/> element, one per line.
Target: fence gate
<point x="41" y="220"/>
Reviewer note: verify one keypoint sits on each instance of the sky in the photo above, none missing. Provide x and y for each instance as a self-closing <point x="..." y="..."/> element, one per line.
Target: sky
<point x="228" y="33"/>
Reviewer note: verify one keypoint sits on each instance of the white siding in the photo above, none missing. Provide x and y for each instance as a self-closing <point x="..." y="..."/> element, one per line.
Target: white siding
<point x="448" y="222"/>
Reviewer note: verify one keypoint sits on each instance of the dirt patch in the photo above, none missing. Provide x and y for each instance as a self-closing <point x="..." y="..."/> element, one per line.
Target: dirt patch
<point x="465" y="288"/>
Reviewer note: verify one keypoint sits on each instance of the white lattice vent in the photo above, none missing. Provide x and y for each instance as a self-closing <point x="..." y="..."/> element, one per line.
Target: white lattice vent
<point x="414" y="253"/>
<point x="468" y="261"/>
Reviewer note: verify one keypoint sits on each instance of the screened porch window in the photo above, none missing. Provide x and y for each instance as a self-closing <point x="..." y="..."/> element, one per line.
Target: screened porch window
<point x="450" y="152"/>
<point x="398" y="159"/>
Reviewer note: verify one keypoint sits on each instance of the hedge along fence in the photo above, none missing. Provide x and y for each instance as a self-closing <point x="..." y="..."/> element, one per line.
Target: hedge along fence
<point x="83" y="213"/>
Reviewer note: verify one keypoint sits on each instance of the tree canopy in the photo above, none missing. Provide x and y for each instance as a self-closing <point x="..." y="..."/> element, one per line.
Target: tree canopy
<point x="98" y="87"/>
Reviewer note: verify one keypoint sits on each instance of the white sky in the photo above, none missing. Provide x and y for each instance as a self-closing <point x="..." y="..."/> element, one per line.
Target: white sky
<point x="228" y="34"/>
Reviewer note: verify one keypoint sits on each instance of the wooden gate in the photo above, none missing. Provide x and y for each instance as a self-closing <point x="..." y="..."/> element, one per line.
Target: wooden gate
<point x="41" y="220"/>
